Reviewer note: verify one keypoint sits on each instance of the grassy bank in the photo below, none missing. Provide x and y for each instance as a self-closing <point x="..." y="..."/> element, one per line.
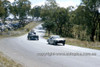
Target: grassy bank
<point x="7" y="62"/>
<point x="20" y="31"/>
<point x="76" y="42"/>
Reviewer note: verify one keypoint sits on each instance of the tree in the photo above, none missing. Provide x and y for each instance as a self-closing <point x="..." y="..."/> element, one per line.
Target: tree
<point x="31" y="13"/>
<point x="92" y="13"/>
<point x="86" y="16"/>
<point x="35" y="12"/>
<point x="49" y="26"/>
<point x="14" y="9"/>
<point x="23" y="9"/>
<point x="61" y="19"/>
<point x="59" y="16"/>
<point x="5" y="6"/>
<point x="2" y="10"/>
<point x="48" y="10"/>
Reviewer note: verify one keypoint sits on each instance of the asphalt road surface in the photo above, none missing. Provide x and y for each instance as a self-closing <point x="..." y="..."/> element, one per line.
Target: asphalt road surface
<point x="39" y="53"/>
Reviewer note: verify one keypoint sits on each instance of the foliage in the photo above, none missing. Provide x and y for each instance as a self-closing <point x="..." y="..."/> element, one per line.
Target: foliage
<point x="14" y="9"/>
<point x="88" y="16"/>
<point x="82" y="23"/>
<point x="23" y="8"/>
<point x="4" y="13"/>
<point x="35" y="12"/>
<point x="49" y="26"/>
<point x="58" y="16"/>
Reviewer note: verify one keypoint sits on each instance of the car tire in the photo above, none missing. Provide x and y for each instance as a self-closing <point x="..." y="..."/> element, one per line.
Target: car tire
<point x="37" y="38"/>
<point x="55" y="43"/>
<point x="48" y="42"/>
<point x="63" y="44"/>
<point x="28" y="38"/>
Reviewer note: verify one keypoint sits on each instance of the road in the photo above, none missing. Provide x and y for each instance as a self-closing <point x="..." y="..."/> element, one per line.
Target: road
<point x="32" y="53"/>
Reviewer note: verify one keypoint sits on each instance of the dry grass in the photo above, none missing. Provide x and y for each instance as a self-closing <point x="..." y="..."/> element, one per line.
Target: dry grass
<point x="76" y="42"/>
<point x="7" y="62"/>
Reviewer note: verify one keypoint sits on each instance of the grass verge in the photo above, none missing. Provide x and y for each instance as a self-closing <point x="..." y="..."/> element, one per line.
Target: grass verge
<point x="7" y="62"/>
<point x="76" y="42"/>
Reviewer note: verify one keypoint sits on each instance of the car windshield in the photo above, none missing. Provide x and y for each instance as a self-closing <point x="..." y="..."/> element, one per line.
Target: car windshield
<point x="56" y="37"/>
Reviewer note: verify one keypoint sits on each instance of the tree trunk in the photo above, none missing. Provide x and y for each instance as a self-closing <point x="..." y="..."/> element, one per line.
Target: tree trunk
<point x="94" y="23"/>
<point x="60" y="31"/>
<point x="48" y="32"/>
<point x="92" y="35"/>
<point x="99" y="31"/>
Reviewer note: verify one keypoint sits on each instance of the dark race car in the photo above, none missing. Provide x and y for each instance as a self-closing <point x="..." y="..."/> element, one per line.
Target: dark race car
<point x="32" y="36"/>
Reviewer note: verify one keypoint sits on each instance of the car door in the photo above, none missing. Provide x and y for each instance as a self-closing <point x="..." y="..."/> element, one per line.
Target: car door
<point x="50" y="40"/>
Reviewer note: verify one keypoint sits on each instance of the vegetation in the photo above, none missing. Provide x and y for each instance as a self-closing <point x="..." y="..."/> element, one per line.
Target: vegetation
<point x="7" y="62"/>
<point x="82" y="23"/>
<point x="35" y="12"/>
<point x="19" y="8"/>
<point x="80" y="26"/>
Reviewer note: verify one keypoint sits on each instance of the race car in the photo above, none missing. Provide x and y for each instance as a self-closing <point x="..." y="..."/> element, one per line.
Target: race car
<point x="32" y="36"/>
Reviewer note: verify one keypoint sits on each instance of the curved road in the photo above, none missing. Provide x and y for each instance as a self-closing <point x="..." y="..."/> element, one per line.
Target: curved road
<point x="40" y="54"/>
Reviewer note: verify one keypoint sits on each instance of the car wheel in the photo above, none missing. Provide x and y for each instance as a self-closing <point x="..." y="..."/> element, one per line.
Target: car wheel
<point x="28" y="37"/>
<point x="63" y="44"/>
<point x="37" y="39"/>
<point x="55" y="43"/>
<point x="48" y="42"/>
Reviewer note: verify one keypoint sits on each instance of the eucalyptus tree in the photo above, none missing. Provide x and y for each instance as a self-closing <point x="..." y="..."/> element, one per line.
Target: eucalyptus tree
<point x="48" y="9"/>
<point x="35" y="12"/>
<point x="2" y="10"/>
<point x="61" y="19"/>
<point x="49" y="26"/>
<point x="6" y="7"/>
<point x="23" y="9"/>
<point x="47" y="12"/>
<point x="79" y="21"/>
<point x="14" y="9"/>
<point x="31" y="13"/>
<point x="92" y="16"/>
<point x="58" y="16"/>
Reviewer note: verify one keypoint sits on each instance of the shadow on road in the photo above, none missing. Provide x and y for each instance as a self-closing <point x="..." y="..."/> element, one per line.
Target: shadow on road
<point x="55" y="45"/>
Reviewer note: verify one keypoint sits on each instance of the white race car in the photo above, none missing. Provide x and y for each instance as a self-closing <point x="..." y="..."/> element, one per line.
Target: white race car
<point x="32" y="36"/>
<point x="55" y="39"/>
